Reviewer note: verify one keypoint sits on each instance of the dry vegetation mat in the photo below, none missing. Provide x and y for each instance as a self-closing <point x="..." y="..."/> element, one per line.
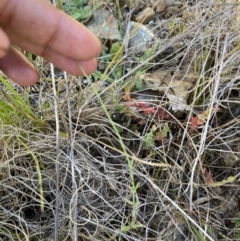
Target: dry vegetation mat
<point x="147" y="148"/>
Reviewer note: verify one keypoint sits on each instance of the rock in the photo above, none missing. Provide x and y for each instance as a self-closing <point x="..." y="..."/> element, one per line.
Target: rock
<point x="140" y="36"/>
<point x="145" y="16"/>
<point x="160" y="6"/>
<point x="104" y="25"/>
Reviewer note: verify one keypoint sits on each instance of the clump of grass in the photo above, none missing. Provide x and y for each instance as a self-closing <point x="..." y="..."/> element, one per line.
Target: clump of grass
<point x="94" y="168"/>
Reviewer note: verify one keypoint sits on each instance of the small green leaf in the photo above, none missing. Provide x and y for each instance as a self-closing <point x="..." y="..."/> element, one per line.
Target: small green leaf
<point x="148" y="141"/>
<point x="116" y="49"/>
<point x="230" y="179"/>
<point x="165" y="130"/>
<point x="125" y="228"/>
<point x="75" y="15"/>
<point x="81" y="14"/>
<point x="139" y="84"/>
<point x="149" y="52"/>
<point x="116" y="56"/>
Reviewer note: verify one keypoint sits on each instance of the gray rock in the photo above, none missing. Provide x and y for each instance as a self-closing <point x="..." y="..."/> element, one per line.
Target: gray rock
<point x="140" y="37"/>
<point x="104" y="25"/>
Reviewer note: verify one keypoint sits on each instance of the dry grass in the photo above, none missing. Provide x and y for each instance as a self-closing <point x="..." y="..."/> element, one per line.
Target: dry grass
<point x="89" y="171"/>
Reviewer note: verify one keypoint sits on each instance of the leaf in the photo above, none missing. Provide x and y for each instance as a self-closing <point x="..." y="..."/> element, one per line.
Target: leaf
<point x="116" y="55"/>
<point x="200" y="119"/>
<point x="230" y="179"/>
<point x="162" y="114"/>
<point x="139" y="84"/>
<point x="127" y="96"/>
<point x="81" y="14"/>
<point x="148" y="110"/>
<point x="165" y="129"/>
<point x="149" y="52"/>
<point x="118" y="72"/>
<point x="75" y="15"/>
<point x="116" y="51"/>
<point x="208" y="177"/>
<point x="161" y="134"/>
<point x="158" y="136"/>
<point x="194" y="122"/>
<point x="149" y="140"/>
<point x="142" y="106"/>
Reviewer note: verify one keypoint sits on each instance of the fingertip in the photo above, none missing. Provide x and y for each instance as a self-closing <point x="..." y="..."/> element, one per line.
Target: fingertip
<point x="92" y="43"/>
<point x="79" y="68"/>
<point x="82" y="43"/>
<point x="29" y="77"/>
<point x="86" y="67"/>
<point x="72" y="66"/>
<point x="18" y="69"/>
<point x="96" y="46"/>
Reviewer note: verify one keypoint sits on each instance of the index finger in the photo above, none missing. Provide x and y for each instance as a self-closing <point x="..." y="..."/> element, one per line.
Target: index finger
<point x="39" y="22"/>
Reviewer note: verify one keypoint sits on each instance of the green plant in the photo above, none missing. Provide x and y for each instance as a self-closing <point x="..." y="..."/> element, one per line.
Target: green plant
<point x="79" y="10"/>
<point x="130" y="162"/>
<point x="15" y="110"/>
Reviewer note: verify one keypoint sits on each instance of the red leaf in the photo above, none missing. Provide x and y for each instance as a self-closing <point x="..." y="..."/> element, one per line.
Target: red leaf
<point x="161" y="113"/>
<point x="208" y="176"/>
<point x="148" y="110"/>
<point x="194" y="122"/>
<point x="200" y="119"/>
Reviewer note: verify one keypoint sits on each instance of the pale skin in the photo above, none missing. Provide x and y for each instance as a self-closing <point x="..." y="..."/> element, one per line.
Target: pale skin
<point x="41" y="29"/>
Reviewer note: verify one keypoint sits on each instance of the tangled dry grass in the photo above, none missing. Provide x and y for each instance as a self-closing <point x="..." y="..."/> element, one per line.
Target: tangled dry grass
<point x="89" y="171"/>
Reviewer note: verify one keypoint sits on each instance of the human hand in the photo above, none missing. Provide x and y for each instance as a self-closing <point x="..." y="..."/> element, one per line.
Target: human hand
<point x="41" y="29"/>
